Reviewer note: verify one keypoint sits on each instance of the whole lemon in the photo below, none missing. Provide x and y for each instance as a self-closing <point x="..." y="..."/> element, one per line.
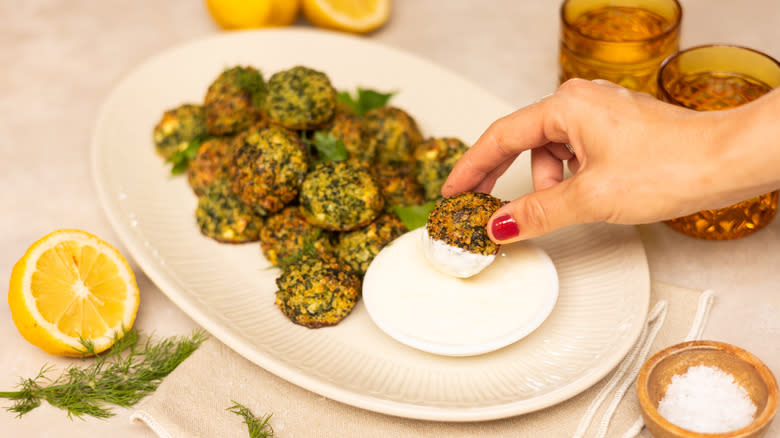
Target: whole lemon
<point x="284" y="12"/>
<point x="240" y="14"/>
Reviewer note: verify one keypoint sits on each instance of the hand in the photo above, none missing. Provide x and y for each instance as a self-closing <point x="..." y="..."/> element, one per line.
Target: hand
<point x="636" y="160"/>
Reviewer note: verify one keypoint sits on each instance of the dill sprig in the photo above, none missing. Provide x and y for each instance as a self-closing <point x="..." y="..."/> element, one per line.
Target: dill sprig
<point x="258" y="427"/>
<point x="121" y="376"/>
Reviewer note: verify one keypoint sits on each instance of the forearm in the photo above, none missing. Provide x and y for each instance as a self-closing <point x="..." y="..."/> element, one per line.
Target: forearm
<point x="749" y="146"/>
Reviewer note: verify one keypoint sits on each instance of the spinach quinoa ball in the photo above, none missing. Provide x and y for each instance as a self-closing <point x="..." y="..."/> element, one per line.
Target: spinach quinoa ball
<point x="348" y="127"/>
<point x="268" y="167"/>
<point x="177" y="128"/>
<point x="399" y="186"/>
<point x="340" y="195"/>
<point x="300" y="98"/>
<point x="286" y="234"/>
<point x="317" y="291"/>
<point x="213" y="157"/>
<point x="233" y="100"/>
<point x="393" y="133"/>
<point x="461" y="221"/>
<point x="434" y="160"/>
<point x="223" y="217"/>
<point x="358" y="248"/>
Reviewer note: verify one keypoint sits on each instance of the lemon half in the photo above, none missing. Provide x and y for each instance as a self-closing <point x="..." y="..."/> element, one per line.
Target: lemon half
<point x="71" y="285"/>
<point x="356" y="16"/>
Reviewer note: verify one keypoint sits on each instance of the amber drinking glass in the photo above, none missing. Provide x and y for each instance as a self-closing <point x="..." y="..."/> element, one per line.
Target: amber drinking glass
<point x="623" y="41"/>
<point x="716" y="77"/>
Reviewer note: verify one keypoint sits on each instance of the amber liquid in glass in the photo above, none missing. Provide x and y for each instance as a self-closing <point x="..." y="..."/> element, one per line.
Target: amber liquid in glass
<point x="717" y="91"/>
<point x="620" y="23"/>
<point x="619" y="45"/>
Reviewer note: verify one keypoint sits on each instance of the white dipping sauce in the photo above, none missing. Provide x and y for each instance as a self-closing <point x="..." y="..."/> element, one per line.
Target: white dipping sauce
<point x="424" y="308"/>
<point x="452" y="260"/>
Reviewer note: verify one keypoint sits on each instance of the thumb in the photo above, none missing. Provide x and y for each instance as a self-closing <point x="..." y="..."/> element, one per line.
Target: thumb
<point x="534" y="214"/>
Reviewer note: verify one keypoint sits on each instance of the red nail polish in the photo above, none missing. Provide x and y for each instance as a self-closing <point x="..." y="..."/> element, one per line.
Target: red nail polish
<point x="504" y="227"/>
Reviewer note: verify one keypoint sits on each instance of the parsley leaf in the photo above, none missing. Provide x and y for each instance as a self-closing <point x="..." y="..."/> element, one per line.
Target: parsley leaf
<point x="370" y="99"/>
<point x="182" y="158"/>
<point x="328" y="147"/>
<point x="345" y="98"/>
<point x="365" y="99"/>
<point x="414" y="216"/>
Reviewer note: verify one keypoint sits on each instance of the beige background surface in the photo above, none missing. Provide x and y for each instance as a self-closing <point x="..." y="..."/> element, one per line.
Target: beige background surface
<point x="60" y="59"/>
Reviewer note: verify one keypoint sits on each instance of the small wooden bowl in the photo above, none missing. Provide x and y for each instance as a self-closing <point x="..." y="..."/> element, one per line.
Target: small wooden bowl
<point x="747" y="370"/>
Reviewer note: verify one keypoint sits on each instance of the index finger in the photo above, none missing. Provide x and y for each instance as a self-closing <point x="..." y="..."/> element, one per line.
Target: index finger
<point x="507" y="137"/>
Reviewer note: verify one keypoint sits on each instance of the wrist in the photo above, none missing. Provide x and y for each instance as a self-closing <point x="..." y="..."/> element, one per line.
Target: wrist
<point x="749" y="142"/>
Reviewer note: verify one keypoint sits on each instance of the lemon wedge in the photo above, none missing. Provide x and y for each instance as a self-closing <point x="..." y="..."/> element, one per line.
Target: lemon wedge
<point x="356" y="16"/>
<point x="69" y="287"/>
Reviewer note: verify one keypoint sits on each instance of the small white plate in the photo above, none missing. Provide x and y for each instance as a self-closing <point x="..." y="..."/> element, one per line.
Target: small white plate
<point x="423" y="308"/>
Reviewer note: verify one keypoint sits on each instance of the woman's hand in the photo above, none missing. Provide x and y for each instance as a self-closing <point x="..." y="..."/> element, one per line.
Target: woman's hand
<point x="635" y="160"/>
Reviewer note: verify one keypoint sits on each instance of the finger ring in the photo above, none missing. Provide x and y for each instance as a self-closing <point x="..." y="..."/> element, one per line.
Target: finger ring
<point x="570" y="148"/>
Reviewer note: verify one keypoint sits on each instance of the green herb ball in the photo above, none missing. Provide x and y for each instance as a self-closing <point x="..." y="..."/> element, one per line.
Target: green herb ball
<point x="223" y="217"/>
<point x="358" y="248"/>
<point x="300" y="98"/>
<point x="340" y="196"/>
<point x="461" y="221"/>
<point x="268" y="168"/>
<point x="393" y="134"/>
<point x="213" y="157"/>
<point x="233" y="100"/>
<point x="348" y="128"/>
<point x="287" y="234"/>
<point x="177" y="128"/>
<point x="434" y="160"/>
<point x="399" y="186"/>
<point x="316" y="292"/>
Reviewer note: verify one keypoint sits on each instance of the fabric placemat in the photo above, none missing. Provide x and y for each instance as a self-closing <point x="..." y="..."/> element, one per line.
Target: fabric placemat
<point x="193" y="399"/>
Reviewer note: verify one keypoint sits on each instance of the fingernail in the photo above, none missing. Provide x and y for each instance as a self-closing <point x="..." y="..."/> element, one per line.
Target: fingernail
<point x="504" y="227"/>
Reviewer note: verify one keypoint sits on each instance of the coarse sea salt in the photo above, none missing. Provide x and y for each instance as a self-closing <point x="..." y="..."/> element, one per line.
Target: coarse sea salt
<point x="707" y="400"/>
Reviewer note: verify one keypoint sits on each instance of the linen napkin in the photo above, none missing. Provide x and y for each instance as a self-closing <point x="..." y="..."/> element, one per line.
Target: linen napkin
<point x="192" y="400"/>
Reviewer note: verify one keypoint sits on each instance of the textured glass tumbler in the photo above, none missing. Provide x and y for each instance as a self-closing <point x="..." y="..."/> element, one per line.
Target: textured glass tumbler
<point x="716" y="77"/>
<point x="623" y="41"/>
